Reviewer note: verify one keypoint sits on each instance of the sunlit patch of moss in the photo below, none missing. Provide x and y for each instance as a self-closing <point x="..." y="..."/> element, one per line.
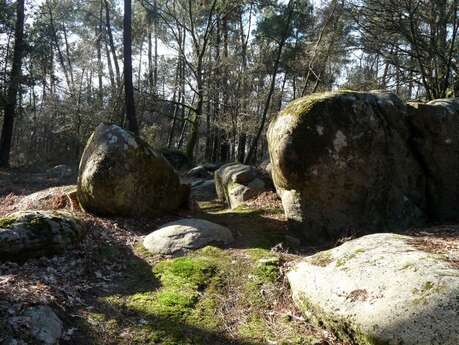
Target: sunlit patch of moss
<point x="7" y="221"/>
<point x="253" y="327"/>
<point x="304" y="104"/>
<point x="181" y="281"/>
<point x="258" y="253"/>
<point x="321" y="259"/>
<point x="166" y="303"/>
<point x="193" y="272"/>
<point x="213" y="252"/>
<point x="267" y="269"/>
<point x="204" y="314"/>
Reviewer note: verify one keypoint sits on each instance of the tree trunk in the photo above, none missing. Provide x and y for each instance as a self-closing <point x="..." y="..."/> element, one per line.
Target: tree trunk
<point x="112" y="43"/>
<point x="99" y="56"/>
<point x="128" y="87"/>
<point x="110" y="73"/>
<point x="10" y="108"/>
<point x="155" y="24"/>
<point x="58" y="48"/>
<point x="151" y="88"/>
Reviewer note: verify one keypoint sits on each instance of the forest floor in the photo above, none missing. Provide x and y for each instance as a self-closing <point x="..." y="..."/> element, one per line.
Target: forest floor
<point x="111" y="291"/>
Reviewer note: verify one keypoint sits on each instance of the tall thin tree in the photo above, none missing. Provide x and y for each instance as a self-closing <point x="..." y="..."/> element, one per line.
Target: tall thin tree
<point x="10" y="107"/>
<point x="128" y="87"/>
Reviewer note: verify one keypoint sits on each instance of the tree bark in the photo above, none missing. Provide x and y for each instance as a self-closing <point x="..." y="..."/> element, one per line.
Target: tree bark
<point x="10" y="108"/>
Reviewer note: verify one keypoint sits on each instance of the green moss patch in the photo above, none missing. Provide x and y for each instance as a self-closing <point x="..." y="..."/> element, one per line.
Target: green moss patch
<point x="303" y="105"/>
<point x="7" y="221"/>
<point x="321" y="259"/>
<point x="209" y="296"/>
<point x="197" y="299"/>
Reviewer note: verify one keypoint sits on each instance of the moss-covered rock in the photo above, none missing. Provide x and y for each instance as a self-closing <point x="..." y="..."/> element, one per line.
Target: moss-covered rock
<point x="29" y="234"/>
<point x="380" y="289"/>
<point x="342" y="163"/>
<point x="121" y="175"/>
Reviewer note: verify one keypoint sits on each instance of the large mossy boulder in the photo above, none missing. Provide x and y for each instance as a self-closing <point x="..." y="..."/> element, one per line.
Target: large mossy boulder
<point x="121" y="175"/>
<point x="29" y="234"/>
<point x="236" y="183"/>
<point x="380" y="289"/>
<point x="435" y="127"/>
<point x="342" y="163"/>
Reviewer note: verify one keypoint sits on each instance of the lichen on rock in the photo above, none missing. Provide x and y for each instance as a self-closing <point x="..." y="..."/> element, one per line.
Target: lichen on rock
<point x="29" y="234"/>
<point x="363" y="292"/>
<point x="342" y="163"/>
<point x="125" y="177"/>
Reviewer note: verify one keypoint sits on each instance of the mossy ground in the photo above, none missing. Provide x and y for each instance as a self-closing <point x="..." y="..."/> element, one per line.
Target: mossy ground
<point x="210" y="296"/>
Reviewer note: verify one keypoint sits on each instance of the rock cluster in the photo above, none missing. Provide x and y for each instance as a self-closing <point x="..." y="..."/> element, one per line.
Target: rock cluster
<point x="352" y="162"/>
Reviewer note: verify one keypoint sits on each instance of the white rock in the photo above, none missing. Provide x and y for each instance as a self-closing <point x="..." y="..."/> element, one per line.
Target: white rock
<point x="185" y="235"/>
<point x="380" y="289"/>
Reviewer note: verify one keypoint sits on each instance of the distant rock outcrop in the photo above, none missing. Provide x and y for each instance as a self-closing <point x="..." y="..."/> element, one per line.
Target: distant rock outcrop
<point x="237" y="183"/>
<point x="380" y="289"/>
<point x="121" y="175"/>
<point x="342" y="164"/>
<point x="186" y="234"/>
<point x="29" y="234"/>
